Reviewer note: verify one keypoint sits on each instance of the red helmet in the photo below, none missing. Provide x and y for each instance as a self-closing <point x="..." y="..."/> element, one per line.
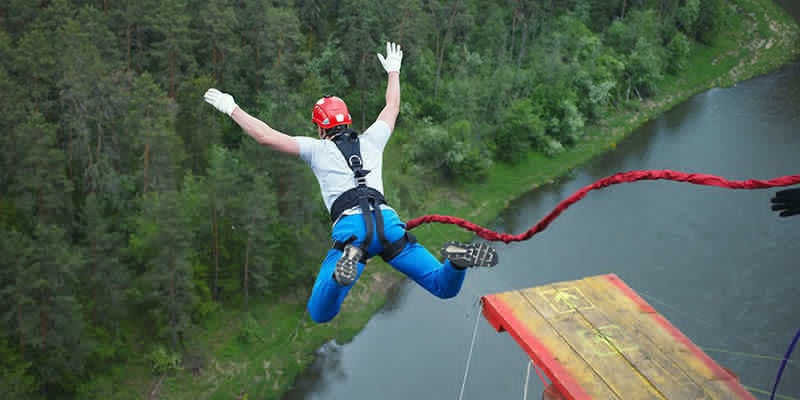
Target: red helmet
<point x="331" y="111"/>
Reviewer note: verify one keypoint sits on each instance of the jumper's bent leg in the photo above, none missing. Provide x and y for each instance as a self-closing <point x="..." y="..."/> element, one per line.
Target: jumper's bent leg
<point x="327" y="295"/>
<point x="440" y="279"/>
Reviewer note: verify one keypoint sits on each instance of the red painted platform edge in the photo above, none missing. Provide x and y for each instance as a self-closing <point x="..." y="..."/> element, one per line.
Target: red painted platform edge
<point x="718" y="372"/>
<point x="501" y="317"/>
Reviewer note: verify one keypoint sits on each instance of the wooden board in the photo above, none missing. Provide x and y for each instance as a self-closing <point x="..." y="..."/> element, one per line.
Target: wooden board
<point x="595" y="338"/>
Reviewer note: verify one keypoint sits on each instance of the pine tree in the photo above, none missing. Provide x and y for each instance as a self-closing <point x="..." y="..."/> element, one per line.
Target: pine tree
<point x="165" y="288"/>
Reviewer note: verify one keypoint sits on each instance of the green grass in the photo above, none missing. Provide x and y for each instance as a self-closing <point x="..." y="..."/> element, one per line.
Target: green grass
<point x="283" y="339"/>
<point x="280" y="345"/>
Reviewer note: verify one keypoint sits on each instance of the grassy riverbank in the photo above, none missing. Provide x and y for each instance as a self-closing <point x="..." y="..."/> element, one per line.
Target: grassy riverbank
<point x="258" y="356"/>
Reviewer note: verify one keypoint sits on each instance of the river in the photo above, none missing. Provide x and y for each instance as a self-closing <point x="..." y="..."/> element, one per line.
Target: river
<point x="717" y="263"/>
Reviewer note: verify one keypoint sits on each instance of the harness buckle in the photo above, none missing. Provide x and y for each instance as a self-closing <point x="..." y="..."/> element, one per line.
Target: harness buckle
<point x="355" y="161"/>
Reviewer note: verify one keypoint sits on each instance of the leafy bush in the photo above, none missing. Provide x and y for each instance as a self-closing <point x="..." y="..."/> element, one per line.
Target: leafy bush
<point x="250" y="332"/>
<point x="645" y="67"/>
<point x="521" y="129"/>
<point x="678" y="48"/>
<point x="572" y="122"/>
<point x="164" y="361"/>
<point x="552" y="147"/>
<point x="453" y="153"/>
<point x="16" y="379"/>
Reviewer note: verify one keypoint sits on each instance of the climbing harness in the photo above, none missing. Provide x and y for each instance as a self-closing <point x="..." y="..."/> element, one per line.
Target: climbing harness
<point x="623" y="177"/>
<point x="366" y="198"/>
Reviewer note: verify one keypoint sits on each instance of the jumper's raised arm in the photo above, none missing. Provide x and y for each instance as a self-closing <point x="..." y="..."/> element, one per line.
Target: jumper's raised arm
<point x="391" y="63"/>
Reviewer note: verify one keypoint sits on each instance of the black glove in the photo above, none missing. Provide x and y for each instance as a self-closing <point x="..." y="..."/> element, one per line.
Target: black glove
<point x="787" y="202"/>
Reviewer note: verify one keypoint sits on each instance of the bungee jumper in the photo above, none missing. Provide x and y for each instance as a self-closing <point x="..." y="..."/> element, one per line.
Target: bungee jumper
<point x="348" y="167"/>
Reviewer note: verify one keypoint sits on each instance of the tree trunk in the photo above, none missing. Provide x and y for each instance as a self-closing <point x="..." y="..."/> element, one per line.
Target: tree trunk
<point x="523" y="41"/>
<point x="92" y="276"/>
<point x="43" y="318"/>
<point x="222" y="69"/>
<point x="401" y="29"/>
<point x="70" y="151"/>
<point x="140" y="46"/>
<point x="40" y="203"/>
<point x="363" y="91"/>
<point x="215" y="247"/>
<point x="257" y="51"/>
<point x="526" y="21"/>
<point x="129" y="44"/>
<point x="144" y="167"/>
<point x="99" y="126"/>
<point x="514" y="19"/>
<point x="172" y="69"/>
<point x="173" y="320"/>
<point x="245" y="278"/>
<point x="442" y="46"/>
<point x="214" y="61"/>
<point x="21" y="331"/>
<point x="279" y="53"/>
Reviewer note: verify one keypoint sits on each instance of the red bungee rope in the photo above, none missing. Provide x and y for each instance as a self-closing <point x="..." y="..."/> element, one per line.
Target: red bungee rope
<point x="623" y="177"/>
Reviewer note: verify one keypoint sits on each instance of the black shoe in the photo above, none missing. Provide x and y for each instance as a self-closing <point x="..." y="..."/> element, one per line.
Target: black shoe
<point x="463" y="255"/>
<point x="347" y="266"/>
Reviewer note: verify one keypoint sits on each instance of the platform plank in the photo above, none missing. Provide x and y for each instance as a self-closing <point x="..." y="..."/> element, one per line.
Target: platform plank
<point x="538" y="337"/>
<point x="596" y="338"/>
<point x="684" y="365"/>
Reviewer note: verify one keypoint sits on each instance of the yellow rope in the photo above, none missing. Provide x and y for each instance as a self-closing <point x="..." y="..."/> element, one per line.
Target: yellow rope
<point x="743" y="354"/>
<point x="704" y="322"/>
<point x="761" y="391"/>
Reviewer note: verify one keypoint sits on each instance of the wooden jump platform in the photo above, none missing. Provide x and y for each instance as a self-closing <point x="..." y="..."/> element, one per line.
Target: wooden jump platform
<point x="595" y="338"/>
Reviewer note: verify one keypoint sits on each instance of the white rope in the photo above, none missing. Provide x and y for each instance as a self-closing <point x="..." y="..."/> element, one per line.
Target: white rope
<point x="527" y="380"/>
<point x="469" y="355"/>
<point x="696" y="317"/>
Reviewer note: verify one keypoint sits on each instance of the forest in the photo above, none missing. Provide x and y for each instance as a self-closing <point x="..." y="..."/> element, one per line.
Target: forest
<point x="131" y="211"/>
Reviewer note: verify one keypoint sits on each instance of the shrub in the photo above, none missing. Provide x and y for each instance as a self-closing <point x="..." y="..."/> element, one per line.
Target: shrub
<point x="163" y="361"/>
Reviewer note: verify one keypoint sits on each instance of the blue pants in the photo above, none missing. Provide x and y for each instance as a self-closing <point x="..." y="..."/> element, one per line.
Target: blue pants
<point x="415" y="261"/>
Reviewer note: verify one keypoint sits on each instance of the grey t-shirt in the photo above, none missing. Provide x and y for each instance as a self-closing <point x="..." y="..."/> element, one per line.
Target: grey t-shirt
<point x="333" y="174"/>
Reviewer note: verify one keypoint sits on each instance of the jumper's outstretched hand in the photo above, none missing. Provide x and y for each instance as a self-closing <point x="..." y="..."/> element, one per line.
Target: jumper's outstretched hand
<point x="394" y="57"/>
<point x="787" y="201"/>
<point x="221" y="101"/>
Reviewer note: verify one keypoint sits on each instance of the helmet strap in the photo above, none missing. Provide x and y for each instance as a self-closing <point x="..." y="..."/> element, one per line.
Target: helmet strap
<point x="335" y="131"/>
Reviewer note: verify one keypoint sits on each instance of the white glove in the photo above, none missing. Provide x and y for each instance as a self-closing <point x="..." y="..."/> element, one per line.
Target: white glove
<point x="394" y="56"/>
<point x="221" y="101"/>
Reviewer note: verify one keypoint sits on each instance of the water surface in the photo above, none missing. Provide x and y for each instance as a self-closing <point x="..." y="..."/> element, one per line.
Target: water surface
<point x="716" y="262"/>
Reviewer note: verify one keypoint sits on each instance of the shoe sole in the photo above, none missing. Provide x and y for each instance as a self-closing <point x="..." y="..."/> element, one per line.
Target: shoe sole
<point x="470" y="254"/>
<point x="347" y="266"/>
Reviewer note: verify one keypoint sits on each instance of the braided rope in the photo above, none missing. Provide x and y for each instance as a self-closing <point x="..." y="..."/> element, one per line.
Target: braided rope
<point x="623" y="177"/>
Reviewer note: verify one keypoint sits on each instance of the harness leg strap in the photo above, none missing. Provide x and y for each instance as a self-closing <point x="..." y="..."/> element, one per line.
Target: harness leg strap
<point x="379" y="224"/>
<point x="367" y="215"/>
<point x="391" y="250"/>
<point x="339" y="245"/>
